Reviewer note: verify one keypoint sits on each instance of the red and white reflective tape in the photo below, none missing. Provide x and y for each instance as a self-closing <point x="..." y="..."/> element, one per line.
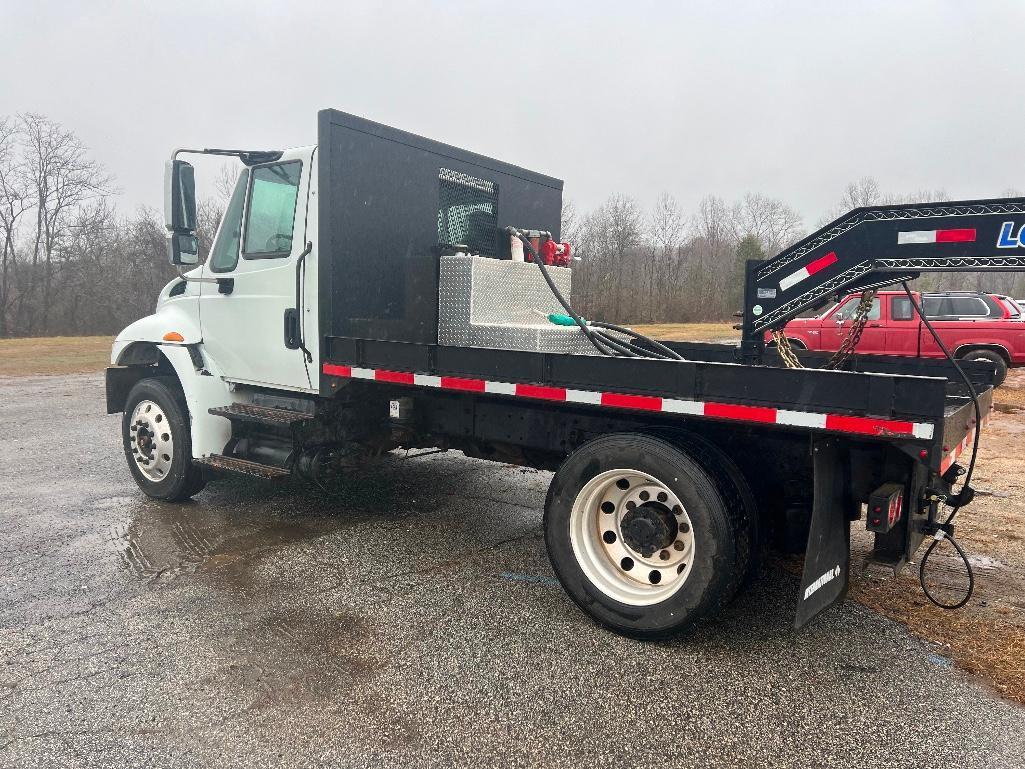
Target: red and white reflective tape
<point x="891" y="428"/>
<point x="936" y="236"/>
<point x="951" y="456"/>
<point x="807" y="271"/>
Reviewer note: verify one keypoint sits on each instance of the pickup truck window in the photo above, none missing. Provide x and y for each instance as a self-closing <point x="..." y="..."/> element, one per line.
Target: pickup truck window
<point x="901" y="309"/>
<point x="224" y="254"/>
<point x="956" y="307"/>
<point x="271" y="214"/>
<point x="848" y="308"/>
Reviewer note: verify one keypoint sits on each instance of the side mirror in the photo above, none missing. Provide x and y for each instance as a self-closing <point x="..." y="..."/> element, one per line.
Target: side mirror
<point x="183" y="249"/>
<point x="179" y="196"/>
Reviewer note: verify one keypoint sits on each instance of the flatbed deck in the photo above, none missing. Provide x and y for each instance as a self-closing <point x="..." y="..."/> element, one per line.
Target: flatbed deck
<point x="892" y="399"/>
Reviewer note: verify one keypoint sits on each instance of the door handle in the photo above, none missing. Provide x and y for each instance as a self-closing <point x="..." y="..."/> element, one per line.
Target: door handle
<point x="875" y="325"/>
<point x="292" y="340"/>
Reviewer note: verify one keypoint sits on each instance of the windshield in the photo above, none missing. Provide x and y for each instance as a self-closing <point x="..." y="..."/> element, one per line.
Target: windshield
<point x="224" y="254"/>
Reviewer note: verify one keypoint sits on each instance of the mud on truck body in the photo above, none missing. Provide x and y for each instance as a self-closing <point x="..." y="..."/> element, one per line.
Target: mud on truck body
<point x="381" y="291"/>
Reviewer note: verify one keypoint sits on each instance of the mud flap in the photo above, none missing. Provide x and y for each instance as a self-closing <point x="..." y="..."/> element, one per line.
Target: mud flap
<point x="828" y="554"/>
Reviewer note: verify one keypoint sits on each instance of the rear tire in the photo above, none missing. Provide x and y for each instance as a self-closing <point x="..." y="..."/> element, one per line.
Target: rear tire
<point x="734" y="489"/>
<point x="642" y="537"/>
<point x="990" y="357"/>
<point x="157" y="440"/>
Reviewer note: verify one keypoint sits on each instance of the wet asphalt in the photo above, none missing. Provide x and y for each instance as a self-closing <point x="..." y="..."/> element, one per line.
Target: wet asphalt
<point x="411" y="619"/>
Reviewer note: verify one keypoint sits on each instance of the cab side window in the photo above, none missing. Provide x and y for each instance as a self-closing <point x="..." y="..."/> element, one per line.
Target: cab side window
<point x="900" y="308"/>
<point x="271" y="215"/>
<point x="224" y="254"/>
<point x="850" y="307"/>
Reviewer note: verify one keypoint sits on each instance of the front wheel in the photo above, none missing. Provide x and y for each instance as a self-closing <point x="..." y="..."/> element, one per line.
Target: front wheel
<point x="157" y="441"/>
<point x="641" y="536"/>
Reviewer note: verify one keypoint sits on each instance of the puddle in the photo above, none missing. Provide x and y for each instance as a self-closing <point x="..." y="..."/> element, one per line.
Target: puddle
<point x="167" y="541"/>
<point x="985" y="562"/>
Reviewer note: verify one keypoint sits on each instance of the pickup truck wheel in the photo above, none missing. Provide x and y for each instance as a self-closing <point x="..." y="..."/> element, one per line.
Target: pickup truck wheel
<point x="990" y="357"/>
<point x="157" y="441"/>
<point x="640" y="536"/>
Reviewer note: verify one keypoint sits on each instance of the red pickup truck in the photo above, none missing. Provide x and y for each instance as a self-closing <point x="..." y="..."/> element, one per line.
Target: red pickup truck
<point x="893" y="328"/>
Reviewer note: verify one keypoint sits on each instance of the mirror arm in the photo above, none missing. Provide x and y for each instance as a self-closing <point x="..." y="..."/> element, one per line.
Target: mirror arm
<point x="187" y="279"/>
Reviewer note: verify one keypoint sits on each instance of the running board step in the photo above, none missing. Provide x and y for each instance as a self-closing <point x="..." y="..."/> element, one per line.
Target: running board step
<point x="267" y="415"/>
<point x="242" y="466"/>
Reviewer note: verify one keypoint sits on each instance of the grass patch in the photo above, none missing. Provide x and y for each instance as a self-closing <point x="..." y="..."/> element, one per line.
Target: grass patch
<point x="689" y="332"/>
<point x="54" y="355"/>
<point x="988" y="644"/>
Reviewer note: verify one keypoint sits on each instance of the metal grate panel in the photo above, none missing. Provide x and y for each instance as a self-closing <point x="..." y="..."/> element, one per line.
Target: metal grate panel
<point x="467" y="212"/>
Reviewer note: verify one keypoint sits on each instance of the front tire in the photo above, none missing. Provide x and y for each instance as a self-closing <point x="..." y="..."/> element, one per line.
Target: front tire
<point x="157" y="440"/>
<point x="641" y="537"/>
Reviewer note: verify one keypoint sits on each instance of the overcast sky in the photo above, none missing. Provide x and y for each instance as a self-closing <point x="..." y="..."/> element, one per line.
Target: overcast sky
<point x="792" y="100"/>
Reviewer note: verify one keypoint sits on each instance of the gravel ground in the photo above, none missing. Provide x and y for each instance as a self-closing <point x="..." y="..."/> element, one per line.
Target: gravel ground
<point x="411" y="621"/>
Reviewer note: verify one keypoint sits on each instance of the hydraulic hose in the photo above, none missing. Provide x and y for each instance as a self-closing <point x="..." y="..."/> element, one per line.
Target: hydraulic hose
<point x="669" y="352"/>
<point x="605" y="343"/>
<point x="604" y="350"/>
<point x="942" y="532"/>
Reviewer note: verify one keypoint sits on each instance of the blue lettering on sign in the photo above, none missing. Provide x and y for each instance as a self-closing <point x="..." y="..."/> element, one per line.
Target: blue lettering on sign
<point x="1007" y="237"/>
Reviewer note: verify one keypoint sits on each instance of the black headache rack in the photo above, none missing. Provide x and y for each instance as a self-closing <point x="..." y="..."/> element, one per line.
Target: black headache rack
<point x="878" y="246"/>
<point x="391" y="203"/>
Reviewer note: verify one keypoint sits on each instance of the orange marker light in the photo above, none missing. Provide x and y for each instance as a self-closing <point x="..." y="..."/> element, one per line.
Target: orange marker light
<point x="173" y="336"/>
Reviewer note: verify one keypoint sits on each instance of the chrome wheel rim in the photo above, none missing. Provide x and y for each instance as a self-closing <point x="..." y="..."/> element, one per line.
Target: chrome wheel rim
<point x="632" y="537"/>
<point x="151" y="440"/>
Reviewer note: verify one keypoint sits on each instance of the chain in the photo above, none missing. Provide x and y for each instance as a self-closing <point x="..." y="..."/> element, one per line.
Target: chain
<point x="858" y="322"/>
<point x="847" y="347"/>
<point x="786" y="352"/>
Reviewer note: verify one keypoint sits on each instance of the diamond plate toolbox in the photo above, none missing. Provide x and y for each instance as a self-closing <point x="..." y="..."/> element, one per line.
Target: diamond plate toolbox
<point x="503" y="305"/>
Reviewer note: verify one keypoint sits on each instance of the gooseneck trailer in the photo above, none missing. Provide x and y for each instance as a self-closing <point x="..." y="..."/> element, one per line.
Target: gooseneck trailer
<point x="382" y="291"/>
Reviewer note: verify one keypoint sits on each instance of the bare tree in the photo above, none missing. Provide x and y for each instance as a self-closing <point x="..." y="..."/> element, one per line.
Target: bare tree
<point x="569" y="226"/>
<point x="712" y="255"/>
<point x="610" y="237"/>
<point x="772" y="222"/>
<point x="224" y="184"/>
<point x="666" y="229"/>
<point x="14" y="202"/>
<point x="62" y="178"/>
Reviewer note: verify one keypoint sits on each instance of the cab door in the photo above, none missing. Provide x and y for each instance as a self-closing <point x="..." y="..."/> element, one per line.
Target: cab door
<point x="902" y="326"/>
<point x="837" y="325"/>
<point x="254" y="256"/>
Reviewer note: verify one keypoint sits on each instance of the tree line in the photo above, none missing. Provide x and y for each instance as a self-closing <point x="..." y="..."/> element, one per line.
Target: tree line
<point x="664" y="266"/>
<point x="73" y="264"/>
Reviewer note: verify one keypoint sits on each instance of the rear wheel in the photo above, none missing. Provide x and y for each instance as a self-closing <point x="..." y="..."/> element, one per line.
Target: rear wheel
<point x="995" y="358"/>
<point x="641" y="536"/>
<point x="156" y="435"/>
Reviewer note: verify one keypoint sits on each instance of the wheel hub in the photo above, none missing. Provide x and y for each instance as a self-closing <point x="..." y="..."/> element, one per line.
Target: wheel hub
<point x="649" y="527"/>
<point x="632" y="536"/>
<point x="151" y="441"/>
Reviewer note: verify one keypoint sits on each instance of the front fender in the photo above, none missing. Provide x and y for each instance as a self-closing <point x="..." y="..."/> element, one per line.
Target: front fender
<point x="172" y="318"/>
